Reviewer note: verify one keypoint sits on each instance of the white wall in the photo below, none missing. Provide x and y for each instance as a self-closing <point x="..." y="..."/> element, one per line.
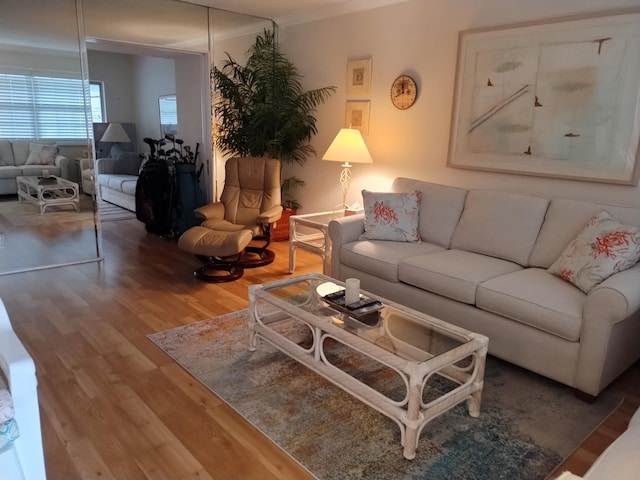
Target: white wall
<point x="192" y="78"/>
<point x="418" y="37"/>
<point x="116" y="71"/>
<point x="152" y="77"/>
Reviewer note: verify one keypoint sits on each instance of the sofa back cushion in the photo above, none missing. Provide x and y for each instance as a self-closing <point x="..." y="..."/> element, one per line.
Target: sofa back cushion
<point x="440" y="208"/>
<point x="21" y="151"/>
<point x="128" y="163"/>
<point x="500" y="224"/>
<point x="564" y="221"/>
<point x="6" y="153"/>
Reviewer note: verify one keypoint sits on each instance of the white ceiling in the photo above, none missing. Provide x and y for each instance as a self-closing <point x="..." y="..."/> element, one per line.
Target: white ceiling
<point x="286" y="12"/>
<point x="140" y="22"/>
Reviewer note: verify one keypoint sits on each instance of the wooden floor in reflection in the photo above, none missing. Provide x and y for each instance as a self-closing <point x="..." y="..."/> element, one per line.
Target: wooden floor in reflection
<point x="29" y="240"/>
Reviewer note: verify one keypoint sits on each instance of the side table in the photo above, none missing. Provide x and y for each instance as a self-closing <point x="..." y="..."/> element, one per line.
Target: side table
<point x="310" y="232"/>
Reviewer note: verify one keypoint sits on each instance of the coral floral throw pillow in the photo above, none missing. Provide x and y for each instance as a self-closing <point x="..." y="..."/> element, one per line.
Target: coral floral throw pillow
<point x="391" y="216"/>
<point x="602" y="248"/>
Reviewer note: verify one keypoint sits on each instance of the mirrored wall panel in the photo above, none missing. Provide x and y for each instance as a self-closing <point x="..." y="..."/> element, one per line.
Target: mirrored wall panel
<point x="45" y="216"/>
<point x="102" y="97"/>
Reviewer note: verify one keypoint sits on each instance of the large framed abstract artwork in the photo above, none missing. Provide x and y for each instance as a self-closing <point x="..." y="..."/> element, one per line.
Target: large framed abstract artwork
<point x="559" y="99"/>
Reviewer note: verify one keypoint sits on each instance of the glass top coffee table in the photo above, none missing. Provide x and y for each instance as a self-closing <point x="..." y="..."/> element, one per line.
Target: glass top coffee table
<point x="47" y="192"/>
<point x="434" y="365"/>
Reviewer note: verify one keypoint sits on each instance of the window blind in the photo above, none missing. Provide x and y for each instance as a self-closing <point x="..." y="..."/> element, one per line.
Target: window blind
<point x="42" y="108"/>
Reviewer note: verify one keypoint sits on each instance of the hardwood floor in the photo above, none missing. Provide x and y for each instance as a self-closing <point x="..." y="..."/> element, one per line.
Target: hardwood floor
<point x="113" y="406"/>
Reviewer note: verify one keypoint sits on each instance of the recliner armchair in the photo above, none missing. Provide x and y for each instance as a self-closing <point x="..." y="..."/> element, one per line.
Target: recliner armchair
<point x="250" y="202"/>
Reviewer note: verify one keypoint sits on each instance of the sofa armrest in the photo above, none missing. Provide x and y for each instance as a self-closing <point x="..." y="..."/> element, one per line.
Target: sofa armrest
<point x="106" y="165"/>
<point x="86" y="163"/>
<point x="611" y="320"/>
<point x="64" y="164"/>
<point x="343" y="230"/>
<point x="620" y="461"/>
<point x="346" y="229"/>
<point x="20" y="371"/>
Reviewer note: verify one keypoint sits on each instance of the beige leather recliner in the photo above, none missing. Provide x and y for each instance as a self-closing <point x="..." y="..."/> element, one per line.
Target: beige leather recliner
<point x="250" y="203"/>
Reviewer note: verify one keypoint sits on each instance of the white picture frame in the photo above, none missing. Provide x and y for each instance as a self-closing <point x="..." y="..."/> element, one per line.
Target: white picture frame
<point x="558" y="99"/>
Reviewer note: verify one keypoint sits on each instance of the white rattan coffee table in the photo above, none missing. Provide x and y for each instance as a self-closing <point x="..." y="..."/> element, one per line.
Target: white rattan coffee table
<point x="48" y="193"/>
<point x="421" y="350"/>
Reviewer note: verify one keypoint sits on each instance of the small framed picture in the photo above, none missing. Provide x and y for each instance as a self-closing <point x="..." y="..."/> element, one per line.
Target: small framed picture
<point x="359" y="76"/>
<point x="357" y="116"/>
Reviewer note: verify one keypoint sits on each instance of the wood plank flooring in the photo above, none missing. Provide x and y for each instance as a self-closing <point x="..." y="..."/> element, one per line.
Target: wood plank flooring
<point x="114" y="406"/>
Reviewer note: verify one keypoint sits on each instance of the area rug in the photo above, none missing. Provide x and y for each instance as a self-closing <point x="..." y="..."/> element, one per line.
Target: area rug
<point x="112" y="213"/>
<point x="528" y="424"/>
<point x="23" y="214"/>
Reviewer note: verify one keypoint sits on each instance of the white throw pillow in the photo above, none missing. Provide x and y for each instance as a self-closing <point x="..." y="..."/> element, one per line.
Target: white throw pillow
<point x="602" y="248"/>
<point x="391" y="216"/>
<point x="41" y="154"/>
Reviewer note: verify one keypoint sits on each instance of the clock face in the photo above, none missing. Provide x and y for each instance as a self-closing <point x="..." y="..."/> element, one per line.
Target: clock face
<point x="404" y="92"/>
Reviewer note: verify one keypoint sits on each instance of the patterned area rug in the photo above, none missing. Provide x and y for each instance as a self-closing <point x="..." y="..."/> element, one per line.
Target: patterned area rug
<point x="527" y="426"/>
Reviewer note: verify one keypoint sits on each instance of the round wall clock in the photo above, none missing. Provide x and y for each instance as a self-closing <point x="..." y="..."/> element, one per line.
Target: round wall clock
<point x="404" y="92"/>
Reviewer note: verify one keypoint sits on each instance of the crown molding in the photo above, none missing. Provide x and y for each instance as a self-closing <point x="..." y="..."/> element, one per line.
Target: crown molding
<point x="335" y="10"/>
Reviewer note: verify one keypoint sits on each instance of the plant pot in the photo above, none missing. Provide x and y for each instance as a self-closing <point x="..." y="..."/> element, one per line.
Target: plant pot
<point x="281" y="231"/>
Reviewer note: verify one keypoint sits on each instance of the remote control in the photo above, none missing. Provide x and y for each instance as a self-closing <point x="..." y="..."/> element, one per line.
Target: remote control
<point x="337" y="298"/>
<point x="372" y="307"/>
<point x="365" y="302"/>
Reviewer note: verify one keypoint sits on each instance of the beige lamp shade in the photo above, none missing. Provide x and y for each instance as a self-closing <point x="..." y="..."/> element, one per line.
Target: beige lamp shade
<point x="348" y="147"/>
<point x="115" y="133"/>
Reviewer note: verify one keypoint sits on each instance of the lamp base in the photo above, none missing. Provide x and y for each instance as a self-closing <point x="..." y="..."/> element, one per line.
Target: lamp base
<point x="116" y="151"/>
<point x="345" y="182"/>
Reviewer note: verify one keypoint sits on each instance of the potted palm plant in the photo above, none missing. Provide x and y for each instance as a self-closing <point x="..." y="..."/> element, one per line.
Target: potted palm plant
<point x="262" y="109"/>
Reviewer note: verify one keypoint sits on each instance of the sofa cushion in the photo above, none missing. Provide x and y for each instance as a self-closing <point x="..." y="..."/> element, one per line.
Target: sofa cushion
<point x="564" y="220"/>
<point x="129" y="187"/>
<point x="440" y="208"/>
<point x="500" y="224"/>
<point x="602" y="248"/>
<point x="391" y="216"/>
<point x="31" y="170"/>
<point x="535" y="297"/>
<point x="6" y="153"/>
<point x="381" y="258"/>
<point x="128" y="163"/>
<point x="41" y="154"/>
<point x="115" y="182"/>
<point x="20" y="151"/>
<point x="10" y="172"/>
<point x="453" y="274"/>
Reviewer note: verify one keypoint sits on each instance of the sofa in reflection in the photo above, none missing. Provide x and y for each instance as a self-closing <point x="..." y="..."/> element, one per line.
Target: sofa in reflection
<point x="116" y="179"/>
<point x="28" y="158"/>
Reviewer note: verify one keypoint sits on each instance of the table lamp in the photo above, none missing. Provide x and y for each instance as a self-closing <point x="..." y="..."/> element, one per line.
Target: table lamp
<point x="115" y="134"/>
<point x="348" y="147"/>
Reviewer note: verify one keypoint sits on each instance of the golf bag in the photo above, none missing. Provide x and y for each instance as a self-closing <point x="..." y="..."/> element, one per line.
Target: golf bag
<point x="188" y="196"/>
<point x="155" y="196"/>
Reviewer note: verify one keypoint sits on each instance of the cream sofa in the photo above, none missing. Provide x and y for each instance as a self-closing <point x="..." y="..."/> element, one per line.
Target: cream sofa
<point x="117" y="179"/>
<point x="24" y="458"/>
<point x="620" y="461"/>
<point x="13" y="163"/>
<point x="482" y="264"/>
